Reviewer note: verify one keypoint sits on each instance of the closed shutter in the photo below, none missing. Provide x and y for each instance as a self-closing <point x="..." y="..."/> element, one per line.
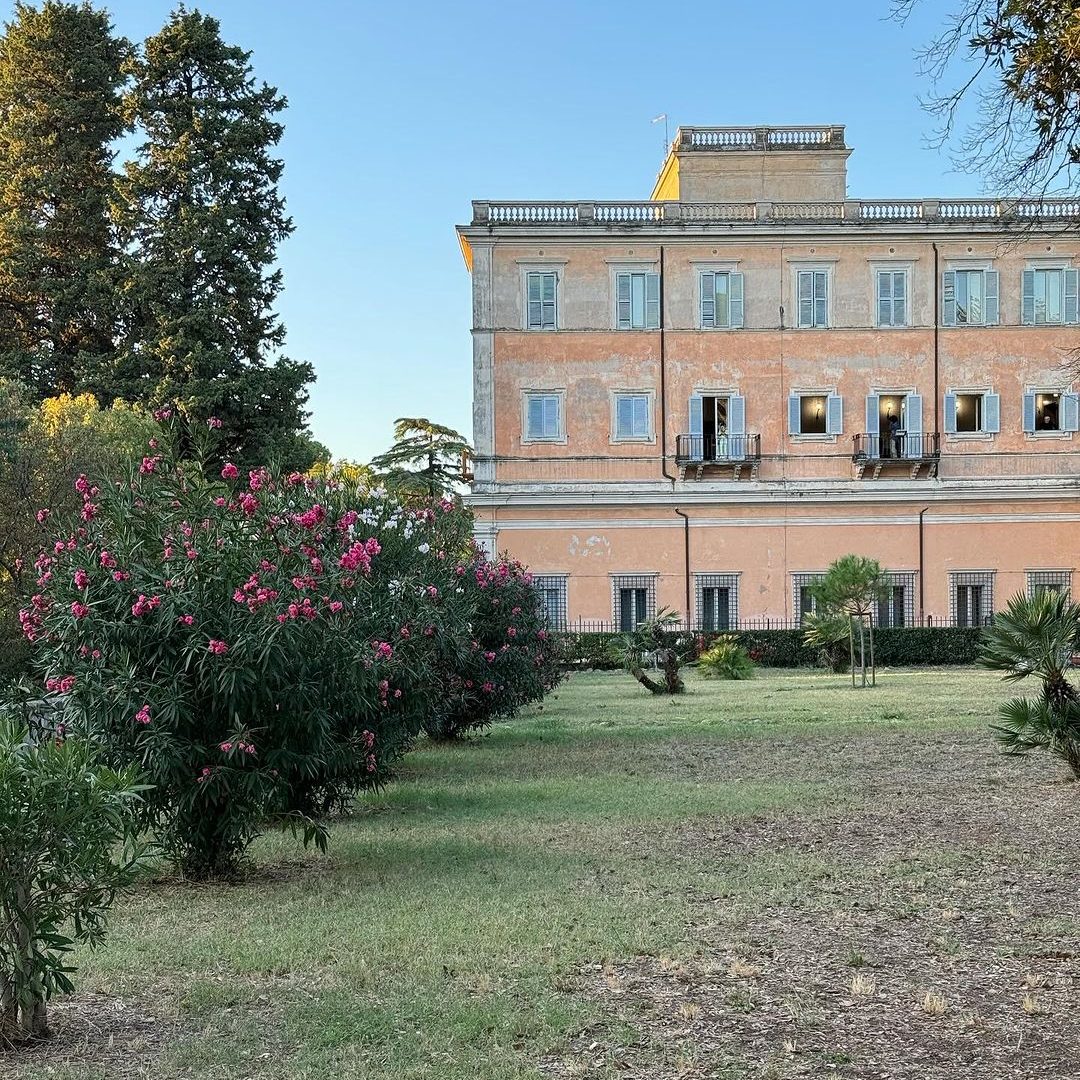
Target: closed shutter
<point x="1029" y="414"/>
<point x="806" y="298"/>
<point x="1070" y="412"/>
<point x="535" y="425"/>
<point x="794" y="415"/>
<point x="735" y="288"/>
<point x="548" y="301"/>
<point x="624" y="417"/>
<point x="708" y="301"/>
<point x="1027" y="299"/>
<point x="623" y="318"/>
<point x="950" y="414"/>
<point x="899" y="291"/>
<point x="885" y="294"/>
<point x="821" y="298"/>
<point x="834" y="414"/>
<point x="873" y="425"/>
<point x="652" y="301"/>
<point x="948" y="298"/>
<point x="913" y="425"/>
<point x="551" y="417"/>
<point x="991" y="413"/>
<point x="991" y="304"/>
<point x="1070" y="295"/>
<point x="535" y="312"/>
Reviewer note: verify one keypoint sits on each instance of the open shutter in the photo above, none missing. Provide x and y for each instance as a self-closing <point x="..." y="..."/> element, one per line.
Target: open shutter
<point x="991" y="304"/>
<point x="873" y="425"/>
<point x="548" y="301"/>
<point x="1027" y="299"/>
<point x="991" y="413"/>
<point x="708" y="301"/>
<point x="697" y="448"/>
<point x="652" y="301"/>
<point x="1070" y="412"/>
<point x="735" y="286"/>
<point x="794" y="415"/>
<point x="913" y="426"/>
<point x="948" y="298"/>
<point x="551" y="416"/>
<point x="834" y="414"/>
<point x="623" y="318"/>
<point x="1070" y="295"/>
<point x="736" y="427"/>
<point x="950" y="414"/>
<point x="1029" y="414"/>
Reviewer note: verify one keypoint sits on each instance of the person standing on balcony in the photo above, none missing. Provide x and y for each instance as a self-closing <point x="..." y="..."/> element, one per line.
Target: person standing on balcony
<point x="894" y="437"/>
<point x="721" y="443"/>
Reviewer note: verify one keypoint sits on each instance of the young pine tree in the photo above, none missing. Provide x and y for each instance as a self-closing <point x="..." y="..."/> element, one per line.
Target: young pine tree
<point x="201" y="218"/>
<point x="61" y="73"/>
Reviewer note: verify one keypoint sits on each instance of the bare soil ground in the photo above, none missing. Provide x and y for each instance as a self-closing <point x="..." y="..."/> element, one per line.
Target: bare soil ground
<point x="930" y="929"/>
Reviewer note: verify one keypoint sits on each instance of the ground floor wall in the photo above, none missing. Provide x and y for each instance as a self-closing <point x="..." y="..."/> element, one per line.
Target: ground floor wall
<point x="953" y="563"/>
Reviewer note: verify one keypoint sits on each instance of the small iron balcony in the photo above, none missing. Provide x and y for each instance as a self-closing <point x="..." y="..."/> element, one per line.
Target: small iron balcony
<point x="875" y="451"/>
<point x="718" y="451"/>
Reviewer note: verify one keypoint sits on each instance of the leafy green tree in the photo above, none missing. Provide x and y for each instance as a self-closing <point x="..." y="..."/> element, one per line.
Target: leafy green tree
<point x="201" y="217"/>
<point x="61" y="73"/>
<point x="1037" y="636"/>
<point x="1019" y="60"/>
<point x="852" y="588"/>
<point x="426" y="458"/>
<point x="68" y="845"/>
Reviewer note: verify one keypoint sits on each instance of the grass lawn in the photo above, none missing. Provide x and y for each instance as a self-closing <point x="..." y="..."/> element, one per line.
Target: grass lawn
<point x="777" y="878"/>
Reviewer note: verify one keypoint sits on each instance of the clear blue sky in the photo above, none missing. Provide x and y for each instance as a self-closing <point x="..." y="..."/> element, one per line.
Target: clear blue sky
<point x="401" y="113"/>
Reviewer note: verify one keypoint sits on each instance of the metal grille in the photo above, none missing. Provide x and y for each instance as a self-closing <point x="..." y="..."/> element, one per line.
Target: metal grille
<point x="552" y="589"/>
<point x="897" y="607"/>
<point x="717" y="601"/>
<point x="633" y="600"/>
<point x="971" y="597"/>
<point x="1049" y="581"/>
<point x="802" y="602"/>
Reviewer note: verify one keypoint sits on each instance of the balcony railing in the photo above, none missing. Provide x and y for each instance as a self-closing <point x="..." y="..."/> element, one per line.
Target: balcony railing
<point x="717" y="449"/>
<point x="898" y="447"/>
<point x="608" y="214"/>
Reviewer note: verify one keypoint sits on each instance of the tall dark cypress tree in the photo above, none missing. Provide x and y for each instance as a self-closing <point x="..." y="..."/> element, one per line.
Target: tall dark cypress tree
<point x="201" y="219"/>
<point x="60" y="81"/>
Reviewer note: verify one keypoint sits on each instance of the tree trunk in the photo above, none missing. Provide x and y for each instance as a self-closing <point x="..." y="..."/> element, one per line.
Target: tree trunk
<point x="652" y="687"/>
<point x="670" y="663"/>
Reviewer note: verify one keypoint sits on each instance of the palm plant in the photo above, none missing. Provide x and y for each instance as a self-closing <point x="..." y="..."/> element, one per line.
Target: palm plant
<point x="1038" y="636"/>
<point x="831" y="634"/>
<point x="652" y="638"/>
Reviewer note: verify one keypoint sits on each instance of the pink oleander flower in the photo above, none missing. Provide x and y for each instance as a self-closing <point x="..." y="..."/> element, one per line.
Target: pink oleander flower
<point x="229" y="471"/>
<point x="162" y="414"/>
<point x="106" y="560"/>
<point x="89" y="511"/>
<point x="82" y="485"/>
<point x="41" y="516"/>
<point x="488" y="687"/>
<point x="187" y="620"/>
<point x="225" y="747"/>
<point x="120" y="575"/>
<point x="149" y="464"/>
<point x="489" y="657"/>
<point x="383" y="649"/>
<point x="82" y="579"/>
<point x="143" y="715"/>
<point x="217" y="647"/>
<point x="80" y="611"/>
<point x="204" y="775"/>
<point x="249" y="504"/>
<point x="213" y="423"/>
<point x="511" y="632"/>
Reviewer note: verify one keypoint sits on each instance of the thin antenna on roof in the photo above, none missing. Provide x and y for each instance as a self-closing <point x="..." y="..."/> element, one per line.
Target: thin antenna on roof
<point x="667" y="141"/>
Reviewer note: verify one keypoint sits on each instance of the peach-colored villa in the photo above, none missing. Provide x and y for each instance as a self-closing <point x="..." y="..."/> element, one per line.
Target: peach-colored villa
<point x="701" y="400"/>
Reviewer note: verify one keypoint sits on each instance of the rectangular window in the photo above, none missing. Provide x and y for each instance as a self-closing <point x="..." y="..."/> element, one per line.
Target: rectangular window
<point x="552" y="590"/>
<point x="633" y="598"/>
<point x="970" y="298"/>
<point x="972" y="413"/>
<point x="721" y="299"/>
<point x="717" y="601"/>
<point x="972" y="597"/>
<point x="1047" y="412"/>
<point x="632" y="417"/>
<point x="897" y="606"/>
<point x="543" y="417"/>
<point x="813" y="294"/>
<point x="892" y="298"/>
<point x="541" y="287"/>
<point x="1053" y="581"/>
<point x="1048" y="297"/>
<point x="803" y="602"/>
<point x="637" y="300"/>
<point x="815" y="414"/>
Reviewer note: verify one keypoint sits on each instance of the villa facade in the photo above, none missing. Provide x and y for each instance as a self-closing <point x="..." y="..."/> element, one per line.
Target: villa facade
<point x="699" y="401"/>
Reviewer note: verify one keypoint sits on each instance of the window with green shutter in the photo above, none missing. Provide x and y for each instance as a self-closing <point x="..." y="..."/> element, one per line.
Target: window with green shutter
<point x="637" y="300"/>
<point x="541" y="287"/>
<point x="721" y="300"/>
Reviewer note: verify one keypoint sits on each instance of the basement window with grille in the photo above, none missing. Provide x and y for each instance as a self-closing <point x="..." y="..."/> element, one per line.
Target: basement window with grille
<point x="1056" y="581"/>
<point x="633" y="600"/>
<point x="552" y="590"/>
<point x="971" y="597"/>
<point x="897" y="606"/>
<point x="803" y="602"/>
<point x="717" y="601"/>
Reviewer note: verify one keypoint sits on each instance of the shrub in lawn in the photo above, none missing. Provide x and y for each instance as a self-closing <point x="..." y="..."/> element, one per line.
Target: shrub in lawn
<point x="726" y="659"/>
<point x="829" y="633"/>
<point x="509" y="659"/>
<point x="653" y="640"/>
<point x="1037" y="636"/>
<point x="260" y="645"/>
<point x="67" y="846"/>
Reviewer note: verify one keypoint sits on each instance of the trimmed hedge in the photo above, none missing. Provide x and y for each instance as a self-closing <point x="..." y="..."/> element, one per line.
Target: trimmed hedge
<point x="897" y="647"/>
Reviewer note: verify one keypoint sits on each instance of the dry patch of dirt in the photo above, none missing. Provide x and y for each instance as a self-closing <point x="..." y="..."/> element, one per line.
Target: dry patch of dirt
<point x="930" y="929"/>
